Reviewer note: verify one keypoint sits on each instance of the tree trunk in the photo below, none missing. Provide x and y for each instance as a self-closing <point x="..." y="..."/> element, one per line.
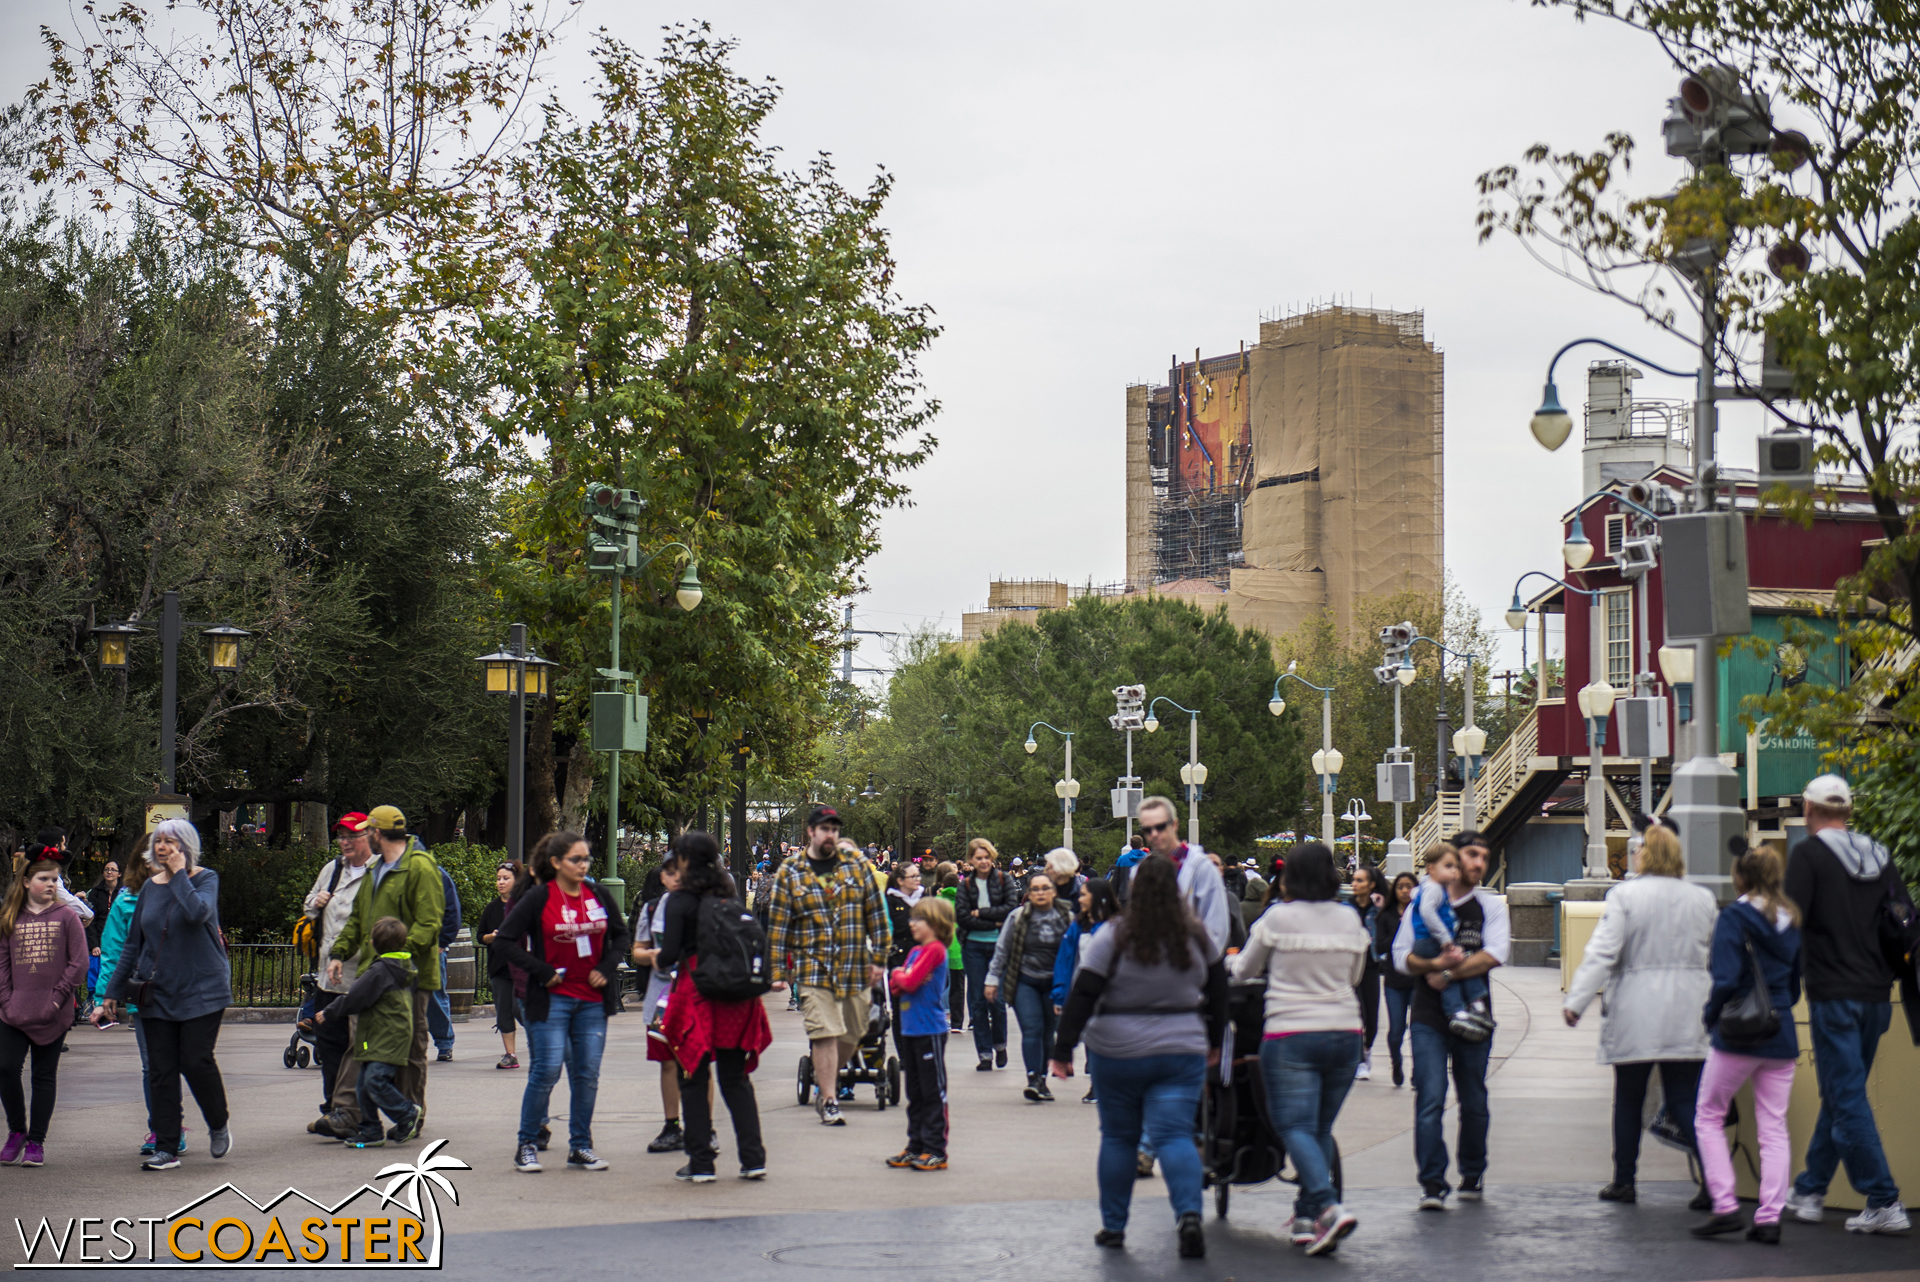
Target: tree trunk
<point x="543" y="808"/>
<point x="315" y="831"/>
<point x="579" y="789"/>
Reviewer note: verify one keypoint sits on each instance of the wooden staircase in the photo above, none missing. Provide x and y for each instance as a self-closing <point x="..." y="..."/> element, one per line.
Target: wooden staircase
<point x="1513" y="781"/>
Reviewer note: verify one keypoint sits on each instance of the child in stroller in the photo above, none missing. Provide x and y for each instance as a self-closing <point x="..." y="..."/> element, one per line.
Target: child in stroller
<point x="300" y="1052"/>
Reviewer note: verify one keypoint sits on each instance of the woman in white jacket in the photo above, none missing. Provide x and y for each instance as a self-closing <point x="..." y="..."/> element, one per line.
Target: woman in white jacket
<point x="1649" y="953"/>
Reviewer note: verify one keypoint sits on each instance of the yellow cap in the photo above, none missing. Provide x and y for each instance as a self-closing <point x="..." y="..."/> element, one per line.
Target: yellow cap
<point x="388" y="819"/>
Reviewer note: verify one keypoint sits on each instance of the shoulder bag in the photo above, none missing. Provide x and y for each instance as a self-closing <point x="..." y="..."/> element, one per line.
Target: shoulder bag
<point x="1751" y="1018"/>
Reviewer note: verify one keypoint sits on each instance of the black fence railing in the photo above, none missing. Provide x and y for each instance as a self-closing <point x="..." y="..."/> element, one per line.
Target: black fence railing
<point x="269" y="975"/>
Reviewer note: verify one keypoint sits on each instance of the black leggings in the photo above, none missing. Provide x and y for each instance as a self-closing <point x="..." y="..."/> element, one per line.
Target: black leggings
<point x="697" y="1110"/>
<point x="1368" y="991"/>
<point x="1679" y="1082"/>
<point x="179" y="1048"/>
<point x="15" y="1049"/>
<point x="503" y="1001"/>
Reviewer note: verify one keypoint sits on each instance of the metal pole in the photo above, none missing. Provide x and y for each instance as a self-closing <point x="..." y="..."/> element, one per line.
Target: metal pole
<point x="1129" y="785"/>
<point x="1443" y="747"/>
<point x="517" y="747"/>
<point x="1326" y="791"/>
<point x="613" y="758"/>
<point x="1193" y="800"/>
<point x="1399" y="853"/>
<point x="1643" y="685"/>
<point x="1399" y="832"/>
<point x="1066" y="803"/>
<point x="169" y="686"/>
<point x="1469" y="807"/>
<point x="1596" y="753"/>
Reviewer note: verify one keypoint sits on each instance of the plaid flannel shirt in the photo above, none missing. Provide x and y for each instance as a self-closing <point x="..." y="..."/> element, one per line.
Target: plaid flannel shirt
<point x="834" y="928"/>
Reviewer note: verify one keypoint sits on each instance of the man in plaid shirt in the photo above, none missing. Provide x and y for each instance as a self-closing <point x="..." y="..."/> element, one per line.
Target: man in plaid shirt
<point x="827" y="913"/>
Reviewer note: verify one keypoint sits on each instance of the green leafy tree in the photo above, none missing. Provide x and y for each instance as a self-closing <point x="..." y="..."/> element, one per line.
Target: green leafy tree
<point x="1815" y="246"/>
<point x="720" y="333"/>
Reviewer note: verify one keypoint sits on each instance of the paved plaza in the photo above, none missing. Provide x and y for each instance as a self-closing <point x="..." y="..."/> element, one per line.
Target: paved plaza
<point x="1017" y="1202"/>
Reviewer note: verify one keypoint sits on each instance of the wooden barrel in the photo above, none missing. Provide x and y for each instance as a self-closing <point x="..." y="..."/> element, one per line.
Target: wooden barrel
<point x="460" y="975"/>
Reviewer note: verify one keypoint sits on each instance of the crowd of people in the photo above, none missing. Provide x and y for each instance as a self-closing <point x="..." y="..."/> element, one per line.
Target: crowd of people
<point x="1140" y="967"/>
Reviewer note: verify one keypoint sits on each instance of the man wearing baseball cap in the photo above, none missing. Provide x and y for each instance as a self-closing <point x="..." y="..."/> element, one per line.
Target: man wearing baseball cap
<point x="403" y="882"/>
<point x="329" y="904"/>
<point x="1839" y="880"/>
<point x="828" y="914"/>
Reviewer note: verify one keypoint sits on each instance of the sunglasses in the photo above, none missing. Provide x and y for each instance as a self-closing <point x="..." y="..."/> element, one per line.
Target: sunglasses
<point x="1147" y="830"/>
<point x="505" y="868"/>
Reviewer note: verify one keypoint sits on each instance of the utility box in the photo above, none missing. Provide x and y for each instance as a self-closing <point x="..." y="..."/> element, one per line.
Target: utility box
<point x="1706" y="575"/>
<point x="1393" y="780"/>
<point x="1643" y="727"/>
<point x="619" y="721"/>
<point x="1126" y="802"/>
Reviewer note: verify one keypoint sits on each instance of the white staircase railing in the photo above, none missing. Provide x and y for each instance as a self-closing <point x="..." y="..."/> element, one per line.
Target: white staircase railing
<point x="1501" y="776"/>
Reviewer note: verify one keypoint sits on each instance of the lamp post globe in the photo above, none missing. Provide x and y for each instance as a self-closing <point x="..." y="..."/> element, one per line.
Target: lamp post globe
<point x="1151" y="724"/>
<point x="1406" y="672"/>
<point x="1335" y="759"/>
<point x="1032" y="745"/>
<point x="688" y="591"/>
<point x="1551" y="423"/>
<point x="1516" y="613"/>
<point x="1276" y="706"/>
<point x="1578" y="549"/>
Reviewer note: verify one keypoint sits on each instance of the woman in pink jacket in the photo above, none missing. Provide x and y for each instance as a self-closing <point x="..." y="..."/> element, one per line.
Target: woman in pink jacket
<point x="43" y="961"/>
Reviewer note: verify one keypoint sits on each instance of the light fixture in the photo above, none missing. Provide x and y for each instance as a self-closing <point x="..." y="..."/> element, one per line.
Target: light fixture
<point x="1578" y="549"/>
<point x="1516" y="613"/>
<point x="1596" y="700"/>
<point x="1031" y="745"/>
<point x="867" y="793"/>
<point x="1276" y="705"/>
<point x="223" y="648"/>
<point x="114" y="645"/>
<point x="1334" y="761"/>
<point x="1152" y="723"/>
<point x="1405" y="673"/>
<point x="1469" y="741"/>
<point x="1066" y="789"/>
<point x="688" y="592"/>
<point x="1551" y="423"/>
<point x="537" y="670"/>
<point x="1676" y="664"/>
<point x="1319" y="761"/>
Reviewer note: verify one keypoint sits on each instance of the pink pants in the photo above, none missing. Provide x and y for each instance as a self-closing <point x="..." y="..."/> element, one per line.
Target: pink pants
<point x="1724" y="1074"/>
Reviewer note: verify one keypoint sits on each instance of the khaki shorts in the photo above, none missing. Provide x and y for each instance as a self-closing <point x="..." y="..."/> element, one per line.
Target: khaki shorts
<point x="827" y="1015"/>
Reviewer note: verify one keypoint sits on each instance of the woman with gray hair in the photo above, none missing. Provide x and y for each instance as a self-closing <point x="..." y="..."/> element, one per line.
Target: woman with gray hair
<point x="174" y="967"/>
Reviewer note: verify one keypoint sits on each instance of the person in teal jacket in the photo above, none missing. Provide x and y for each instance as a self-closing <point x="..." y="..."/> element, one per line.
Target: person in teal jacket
<point x="1097" y="904"/>
<point x="113" y="937"/>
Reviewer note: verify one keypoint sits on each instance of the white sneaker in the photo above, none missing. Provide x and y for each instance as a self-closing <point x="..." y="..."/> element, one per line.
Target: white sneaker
<point x="1334" y="1223"/>
<point x="1364" y="1072"/>
<point x="1891" y="1218"/>
<point x="1808" y="1208"/>
<point x="1303" y="1230"/>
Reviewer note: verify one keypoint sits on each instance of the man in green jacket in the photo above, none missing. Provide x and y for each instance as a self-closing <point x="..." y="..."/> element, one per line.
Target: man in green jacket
<point x="404" y="882"/>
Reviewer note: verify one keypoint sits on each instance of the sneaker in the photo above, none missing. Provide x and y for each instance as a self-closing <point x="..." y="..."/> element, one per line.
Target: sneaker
<point x="671" y="1138"/>
<point x="830" y="1114"/>
<point x="902" y="1160"/>
<point x="1042" y="1091"/>
<point x="1808" y="1208"/>
<point x="1193" y="1242"/>
<point x="688" y="1175"/>
<point x="1619" y="1193"/>
<point x="1728" y="1223"/>
<point x="1363" y="1072"/>
<point x="444" y="1057"/>
<point x="1302" y="1230"/>
<point x="1114" y="1239"/>
<point x="1434" y="1199"/>
<point x="180" y="1150"/>
<point x="1032" y="1090"/>
<point x="985" y="1065"/>
<point x="33" y="1155"/>
<point x="1469" y="1027"/>
<point x="527" y="1158"/>
<point x="999" y="1057"/>
<point x="930" y="1162"/>
<point x="1891" y="1218"/>
<point x="15" y="1145"/>
<point x="1399" y="1073"/>
<point x="1471" y="1190"/>
<point x="331" y="1127"/>
<point x="586" y="1159"/>
<point x="161" y="1162"/>
<point x="1767" y="1233"/>
<point x="507" y="1061"/>
<point x="375" y="1140"/>
<point x="220" y="1142"/>
<point x="1334" y="1223"/>
<point x="409" y="1127"/>
<point x="1700" y="1201"/>
<point x="544" y="1138"/>
<point x="846" y="1093"/>
<point x="1667" y="1131"/>
<point x="1143" y="1166"/>
<point x="753" y="1172"/>
<point x="1089" y="1098"/>
<point x="153" y="1142"/>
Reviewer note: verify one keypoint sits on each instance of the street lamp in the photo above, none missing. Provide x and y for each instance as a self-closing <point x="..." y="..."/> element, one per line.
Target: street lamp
<point x="115" y="644"/>
<point x="1551" y="424"/>
<point x="1468" y="736"/>
<point x="1596" y="705"/>
<point x="1193" y="775"/>
<point x="1357" y="814"/>
<point x="1676" y="665"/>
<point x="1067" y="788"/>
<point x="1326" y="762"/>
<point x="516" y="672"/>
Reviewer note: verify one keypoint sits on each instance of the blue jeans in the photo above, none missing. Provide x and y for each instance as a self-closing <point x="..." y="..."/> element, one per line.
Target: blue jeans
<point x="1398" y="999"/>
<point x="440" y="1019"/>
<point x="1433" y="1051"/>
<point x="574" y="1032"/>
<point x="1033" y="1003"/>
<point x="1308" y="1076"/>
<point x="989" y="1019"/>
<point x="380" y="1093"/>
<point x="1160" y="1096"/>
<point x="1845" y="1037"/>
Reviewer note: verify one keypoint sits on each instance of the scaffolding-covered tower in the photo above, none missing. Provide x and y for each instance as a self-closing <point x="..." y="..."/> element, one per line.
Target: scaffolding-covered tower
<point x="1295" y="475"/>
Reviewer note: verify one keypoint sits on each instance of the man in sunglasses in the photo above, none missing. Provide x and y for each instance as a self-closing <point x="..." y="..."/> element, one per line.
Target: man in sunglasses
<point x="1200" y="885"/>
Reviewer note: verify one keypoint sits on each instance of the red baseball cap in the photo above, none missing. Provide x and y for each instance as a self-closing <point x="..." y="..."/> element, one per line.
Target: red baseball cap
<point x="353" y="821"/>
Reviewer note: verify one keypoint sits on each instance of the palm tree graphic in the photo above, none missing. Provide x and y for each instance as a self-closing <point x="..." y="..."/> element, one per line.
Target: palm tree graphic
<point x="410" y="1180"/>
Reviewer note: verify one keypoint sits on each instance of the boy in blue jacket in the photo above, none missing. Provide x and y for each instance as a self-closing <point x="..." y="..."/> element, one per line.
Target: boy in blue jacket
<point x="920" y="1006"/>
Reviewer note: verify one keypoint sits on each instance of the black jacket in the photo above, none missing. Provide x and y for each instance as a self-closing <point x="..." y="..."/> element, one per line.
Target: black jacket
<point x="492" y="917"/>
<point x="526" y="947"/>
<point x="1385" y="927"/>
<point x="1002" y="898"/>
<point x="1840" y="920"/>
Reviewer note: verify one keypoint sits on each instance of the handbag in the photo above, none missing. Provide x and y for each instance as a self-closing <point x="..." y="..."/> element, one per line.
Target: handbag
<point x="1751" y="1018"/>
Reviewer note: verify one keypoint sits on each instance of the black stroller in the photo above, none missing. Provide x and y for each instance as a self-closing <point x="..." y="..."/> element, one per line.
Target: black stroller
<point x="870" y="1066"/>
<point x="1238" y="1144"/>
<point x="300" y="1049"/>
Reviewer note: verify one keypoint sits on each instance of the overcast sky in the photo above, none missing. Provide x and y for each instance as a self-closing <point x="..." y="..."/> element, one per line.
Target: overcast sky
<point x="1086" y="189"/>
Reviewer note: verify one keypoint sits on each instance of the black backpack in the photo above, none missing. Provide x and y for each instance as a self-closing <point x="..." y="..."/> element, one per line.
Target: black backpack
<point x="733" y="953"/>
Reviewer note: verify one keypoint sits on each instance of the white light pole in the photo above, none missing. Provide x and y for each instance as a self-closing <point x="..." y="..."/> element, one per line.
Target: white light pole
<point x="1469" y="742"/>
<point x="1328" y="760"/>
<point x="1596" y="705"/>
<point x="1067" y="788"/>
<point x="1193" y="774"/>
<point x="1357" y="812"/>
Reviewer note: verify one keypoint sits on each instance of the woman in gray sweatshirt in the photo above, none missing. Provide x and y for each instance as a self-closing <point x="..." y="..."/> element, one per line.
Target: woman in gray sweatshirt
<point x="1312" y="950"/>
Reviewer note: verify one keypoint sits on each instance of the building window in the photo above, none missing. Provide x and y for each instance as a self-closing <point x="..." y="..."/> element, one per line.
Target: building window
<point x="1619" y="623"/>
